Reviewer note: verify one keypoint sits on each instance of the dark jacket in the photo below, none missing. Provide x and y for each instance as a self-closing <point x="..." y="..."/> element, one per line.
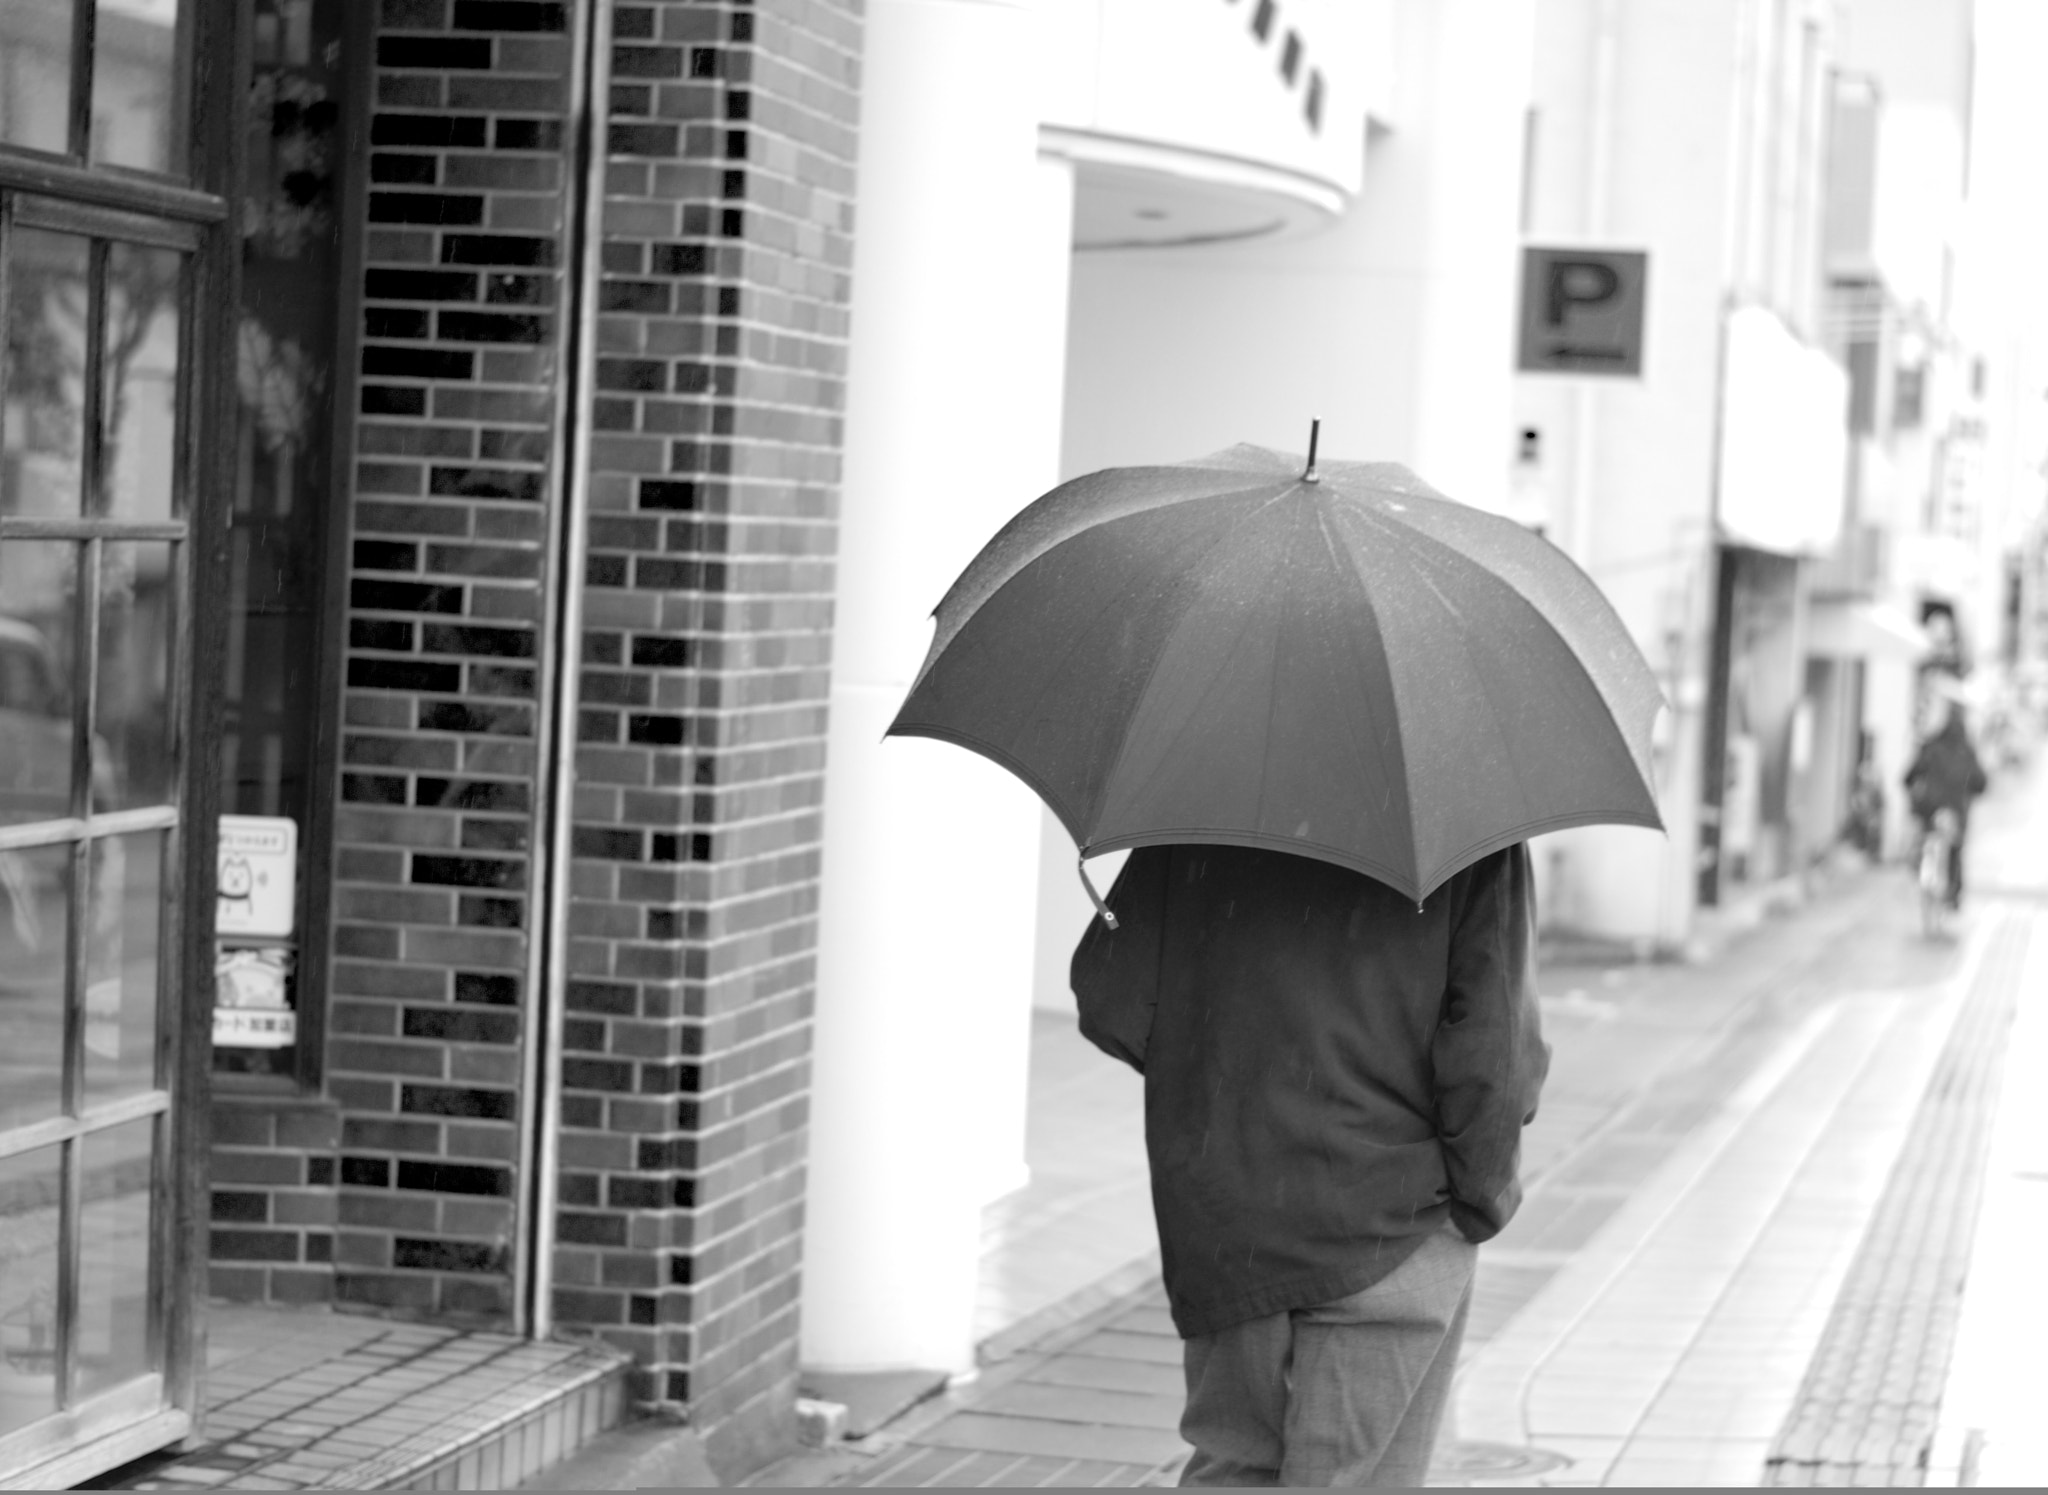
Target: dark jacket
<point x="1946" y="773"/>
<point x="1330" y="1072"/>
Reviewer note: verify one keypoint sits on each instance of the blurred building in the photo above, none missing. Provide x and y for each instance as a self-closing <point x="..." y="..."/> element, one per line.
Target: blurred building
<point x="1906" y="581"/>
<point x="1700" y="491"/>
<point x="1794" y="502"/>
<point x="475" y="476"/>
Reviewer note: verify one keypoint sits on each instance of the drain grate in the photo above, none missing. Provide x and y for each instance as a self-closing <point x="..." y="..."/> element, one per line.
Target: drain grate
<point x="1492" y="1461"/>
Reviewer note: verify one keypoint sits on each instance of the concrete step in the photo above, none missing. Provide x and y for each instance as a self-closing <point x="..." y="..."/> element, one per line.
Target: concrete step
<point x="314" y="1400"/>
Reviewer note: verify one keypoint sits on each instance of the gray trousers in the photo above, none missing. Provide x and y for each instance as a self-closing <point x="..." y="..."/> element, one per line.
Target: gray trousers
<point x="1349" y="1393"/>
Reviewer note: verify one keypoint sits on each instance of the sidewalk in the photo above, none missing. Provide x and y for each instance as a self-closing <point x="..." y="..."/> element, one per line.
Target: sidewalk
<point x="1728" y="1268"/>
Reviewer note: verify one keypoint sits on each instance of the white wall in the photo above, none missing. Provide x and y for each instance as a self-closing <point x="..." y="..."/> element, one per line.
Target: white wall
<point x="1636" y="131"/>
<point x="930" y="860"/>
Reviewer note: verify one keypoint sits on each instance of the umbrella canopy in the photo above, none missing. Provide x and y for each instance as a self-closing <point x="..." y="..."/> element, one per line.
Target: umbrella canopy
<point x="1341" y="664"/>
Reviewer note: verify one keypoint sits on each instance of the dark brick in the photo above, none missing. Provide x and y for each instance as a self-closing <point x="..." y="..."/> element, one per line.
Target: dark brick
<point x="366" y="1173"/>
<point x="414" y="171"/>
<point x="374" y="789"/>
<point x="440" y="131"/>
<point x="461" y="1026"/>
<point x="417" y="363"/>
<point x="254" y="1245"/>
<point x="485" y="482"/>
<point x="407" y="675"/>
<point x="443" y="1100"/>
<point x="471" y="716"/>
<point x="435" y="52"/>
<point x="528" y="135"/>
<point x="395" y="321"/>
<point x="501" y="795"/>
<point x="493" y="327"/>
<point x="241" y="1208"/>
<point x="496" y="249"/>
<point x="440" y="638"/>
<point x="510" y="15"/>
<point x="478" y="986"/>
<point x="454" y="1178"/>
<point x="391" y="399"/>
<point x="469" y="872"/>
<point x="490" y="913"/>
<point x="668" y="495"/>
<point x="420" y="285"/>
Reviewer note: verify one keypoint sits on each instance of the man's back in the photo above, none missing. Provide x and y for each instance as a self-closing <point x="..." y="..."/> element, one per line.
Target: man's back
<point x="1329" y="1071"/>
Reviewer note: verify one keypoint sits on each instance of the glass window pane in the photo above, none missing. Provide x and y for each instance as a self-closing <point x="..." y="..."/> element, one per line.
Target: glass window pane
<point x="38" y="591"/>
<point x="120" y="967"/>
<point x="132" y="746"/>
<point x="29" y="1186"/>
<point x="35" y="73"/>
<point x="42" y="414"/>
<point x="138" y="96"/>
<point x="35" y="923"/>
<point x="139" y="458"/>
<point x="116" y="1340"/>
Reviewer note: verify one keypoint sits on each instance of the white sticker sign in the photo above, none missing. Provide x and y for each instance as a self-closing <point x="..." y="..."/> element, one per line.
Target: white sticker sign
<point x="250" y="1006"/>
<point x="258" y="876"/>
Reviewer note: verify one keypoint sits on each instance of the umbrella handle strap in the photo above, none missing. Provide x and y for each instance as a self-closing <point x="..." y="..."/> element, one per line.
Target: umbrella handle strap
<point x="1081" y="866"/>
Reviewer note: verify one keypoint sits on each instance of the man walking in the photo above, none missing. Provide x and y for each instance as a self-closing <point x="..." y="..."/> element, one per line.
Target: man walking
<point x="1335" y="1085"/>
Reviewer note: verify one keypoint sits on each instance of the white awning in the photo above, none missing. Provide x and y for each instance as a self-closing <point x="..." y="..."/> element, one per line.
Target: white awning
<point x="1863" y="630"/>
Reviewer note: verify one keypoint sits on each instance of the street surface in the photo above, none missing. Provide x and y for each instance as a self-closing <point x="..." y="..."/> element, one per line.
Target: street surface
<point x="1752" y="1201"/>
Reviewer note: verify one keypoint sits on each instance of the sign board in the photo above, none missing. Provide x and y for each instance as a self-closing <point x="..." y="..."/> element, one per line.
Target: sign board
<point x="1582" y="311"/>
<point x="251" y="1009"/>
<point x="257" y="894"/>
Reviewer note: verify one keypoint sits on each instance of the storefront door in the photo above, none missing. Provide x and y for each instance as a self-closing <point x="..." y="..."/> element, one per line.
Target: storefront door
<point x="111" y="253"/>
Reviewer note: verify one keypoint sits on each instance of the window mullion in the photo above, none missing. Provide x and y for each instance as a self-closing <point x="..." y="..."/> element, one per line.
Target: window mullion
<point x="84" y="23"/>
<point x="69" y="1209"/>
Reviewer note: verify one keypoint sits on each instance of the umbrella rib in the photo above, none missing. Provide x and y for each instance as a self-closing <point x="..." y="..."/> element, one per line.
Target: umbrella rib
<point x="1429" y="543"/>
<point x="1189" y="595"/>
<point x="1350" y="561"/>
<point x="1447" y="549"/>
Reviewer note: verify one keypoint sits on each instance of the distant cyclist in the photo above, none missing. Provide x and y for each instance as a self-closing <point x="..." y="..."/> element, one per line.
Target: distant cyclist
<point x="1946" y="775"/>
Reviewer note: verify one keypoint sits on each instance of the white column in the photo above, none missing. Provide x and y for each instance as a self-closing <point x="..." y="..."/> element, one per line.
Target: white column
<point x="931" y="854"/>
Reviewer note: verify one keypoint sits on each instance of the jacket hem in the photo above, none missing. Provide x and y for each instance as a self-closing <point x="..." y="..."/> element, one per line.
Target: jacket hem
<point x="1306" y="1291"/>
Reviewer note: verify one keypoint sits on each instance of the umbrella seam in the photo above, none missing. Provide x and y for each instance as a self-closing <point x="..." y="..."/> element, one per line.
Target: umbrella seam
<point x="1522" y="597"/>
<point x="1190" y="597"/>
<point x="1343" y="552"/>
<point x="1063" y="537"/>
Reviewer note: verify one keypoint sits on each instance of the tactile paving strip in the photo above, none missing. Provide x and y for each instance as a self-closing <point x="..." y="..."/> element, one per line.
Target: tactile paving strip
<point x="1866" y="1411"/>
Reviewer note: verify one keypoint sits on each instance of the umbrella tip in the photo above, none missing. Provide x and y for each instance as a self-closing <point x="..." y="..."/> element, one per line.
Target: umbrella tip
<point x="1315" y="430"/>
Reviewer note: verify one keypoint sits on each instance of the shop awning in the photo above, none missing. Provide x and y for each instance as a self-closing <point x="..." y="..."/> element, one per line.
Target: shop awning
<point x="1863" y="630"/>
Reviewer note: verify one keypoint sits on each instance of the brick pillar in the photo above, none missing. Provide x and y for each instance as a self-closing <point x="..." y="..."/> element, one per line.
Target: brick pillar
<point x="715" y="463"/>
<point x="450" y="510"/>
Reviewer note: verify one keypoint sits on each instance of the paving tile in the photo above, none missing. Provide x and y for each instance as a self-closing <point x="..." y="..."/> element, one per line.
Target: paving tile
<point x="1115" y="1345"/>
<point x="1107" y="1374"/>
<point x="1085" y="1405"/>
<point x="987" y="1433"/>
<point x="913" y="1468"/>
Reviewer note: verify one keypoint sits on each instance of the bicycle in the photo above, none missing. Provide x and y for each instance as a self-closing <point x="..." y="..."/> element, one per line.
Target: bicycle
<point x="1935" y="892"/>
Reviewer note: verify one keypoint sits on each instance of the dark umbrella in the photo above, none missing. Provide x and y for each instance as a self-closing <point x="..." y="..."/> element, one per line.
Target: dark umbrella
<point x="1341" y="664"/>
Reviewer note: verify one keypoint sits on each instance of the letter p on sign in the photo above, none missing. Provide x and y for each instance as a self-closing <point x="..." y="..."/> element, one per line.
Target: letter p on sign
<point x="1582" y="311"/>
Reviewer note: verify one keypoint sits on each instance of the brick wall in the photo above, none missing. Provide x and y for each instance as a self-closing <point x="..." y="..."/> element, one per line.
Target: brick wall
<point x="715" y="462"/>
<point x="451" y="504"/>
<point x="273" y="1164"/>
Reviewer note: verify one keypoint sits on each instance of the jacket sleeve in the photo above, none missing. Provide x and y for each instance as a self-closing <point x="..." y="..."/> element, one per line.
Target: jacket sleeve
<point x="1115" y="972"/>
<point x="1489" y="1055"/>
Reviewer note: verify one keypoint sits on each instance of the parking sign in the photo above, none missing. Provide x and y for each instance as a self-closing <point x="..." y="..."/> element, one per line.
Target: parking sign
<point x="1582" y="311"/>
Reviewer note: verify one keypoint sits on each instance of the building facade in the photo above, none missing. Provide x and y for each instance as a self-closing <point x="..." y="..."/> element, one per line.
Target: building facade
<point x="475" y="476"/>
